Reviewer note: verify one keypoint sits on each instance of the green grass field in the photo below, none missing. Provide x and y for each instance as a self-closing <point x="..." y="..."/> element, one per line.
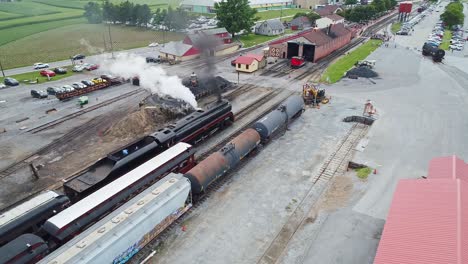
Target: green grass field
<point x="395" y="27"/>
<point x="446" y="40"/>
<point x="35" y="20"/>
<point x="31" y="76"/>
<point x="29" y="8"/>
<point x="66" y="4"/>
<point x="336" y="71"/>
<point x="252" y="39"/>
<point x="61" y="43"/>
<point x="264" y="15"/>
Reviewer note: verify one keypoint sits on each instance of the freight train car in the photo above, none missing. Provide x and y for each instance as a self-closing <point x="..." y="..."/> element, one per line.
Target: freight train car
<point x="26" y="249"/>
<point x="29" y="216"/>
<point x="219" y="163"/>
<point x="436" y="53"/>
<point x="190" y="129"/>
<point x="120" y="235"/>
<point x="89" y="210"/>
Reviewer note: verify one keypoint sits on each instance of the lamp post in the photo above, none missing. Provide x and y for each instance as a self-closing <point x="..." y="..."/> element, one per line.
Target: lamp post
<point x="1" y="68"/>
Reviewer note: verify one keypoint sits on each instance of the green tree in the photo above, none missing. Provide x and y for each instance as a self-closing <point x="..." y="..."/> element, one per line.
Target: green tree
<point x="144" y="15"/>
<point x="312" y="16"/>
<point x="379" y="5"/>
<point x="235" y="15"/>
<point x="134" y="12"/>
<point x="299" y="14"/>
<point x="350" y="2"/>
<point x="109" y="12"/>
<point x="93" y="13"/>
<point x="124" y="12"/>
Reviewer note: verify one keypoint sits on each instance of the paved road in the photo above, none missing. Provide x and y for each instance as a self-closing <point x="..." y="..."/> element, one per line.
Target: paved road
<point x="94" y="59"/>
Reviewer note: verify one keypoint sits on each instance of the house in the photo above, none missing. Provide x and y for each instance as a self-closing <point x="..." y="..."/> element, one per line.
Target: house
<point x="328" y="20"/>
<point x="207" y="6"/>
<point x="271" y="27"/>
<point x="300" y="23"/>
<point x="313" y="45"/>
<point x="428" y="221"/>
<point x="220" y="34"/>
<point x="328" y="10"/>
<point x="250" y="63"/>
<point x="178" y="51"/>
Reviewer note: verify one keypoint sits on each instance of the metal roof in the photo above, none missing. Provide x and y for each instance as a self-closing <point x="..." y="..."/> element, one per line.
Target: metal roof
<point x="26" y="207"/>
<point x="177" y="48"/>
<point x="249" y="58"/>
<point x="428" y="219"/>
<point x="88" y="203"/>
<point x="213" y="31"/>
<point x="448" y="168"/>
<point x="99" y="238"/>
<point x="274" y="24"/>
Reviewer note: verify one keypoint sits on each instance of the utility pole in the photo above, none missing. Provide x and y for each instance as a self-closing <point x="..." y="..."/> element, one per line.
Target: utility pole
<point x="110" y="38"/>
<point x="1" y="68"/>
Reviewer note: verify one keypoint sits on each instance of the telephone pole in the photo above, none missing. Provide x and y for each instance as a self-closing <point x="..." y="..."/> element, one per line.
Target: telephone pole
<point x="1" y="68"/>
<point x="110" y="38"/>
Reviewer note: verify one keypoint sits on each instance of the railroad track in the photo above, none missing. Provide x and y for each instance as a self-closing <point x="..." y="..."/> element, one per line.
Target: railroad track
<point x="335" y="164"/>
<point x="53" y="123"/>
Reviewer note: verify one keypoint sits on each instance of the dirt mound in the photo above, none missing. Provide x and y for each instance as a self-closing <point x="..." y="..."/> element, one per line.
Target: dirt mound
<point x="154" y="112"/>
<point x="362" y="71"/>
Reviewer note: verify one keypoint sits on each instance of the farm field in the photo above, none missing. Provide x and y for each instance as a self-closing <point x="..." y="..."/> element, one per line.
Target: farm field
<point x="60" y="43"/>
<point x="264" y="15"/>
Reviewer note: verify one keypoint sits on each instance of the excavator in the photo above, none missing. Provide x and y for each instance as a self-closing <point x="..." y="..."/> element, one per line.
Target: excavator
<point x="312" y="95"/>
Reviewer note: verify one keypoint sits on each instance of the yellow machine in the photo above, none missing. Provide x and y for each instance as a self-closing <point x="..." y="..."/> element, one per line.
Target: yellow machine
<point x="313" y="95"/>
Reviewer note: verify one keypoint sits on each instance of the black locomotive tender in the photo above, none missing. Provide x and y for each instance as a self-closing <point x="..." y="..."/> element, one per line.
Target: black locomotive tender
<point x="25" y="249"/>
<point x="191" y="129"/>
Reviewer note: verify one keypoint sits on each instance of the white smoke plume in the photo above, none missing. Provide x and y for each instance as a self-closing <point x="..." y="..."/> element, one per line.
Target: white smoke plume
<point x="152" y="78"/>
<point x="90" y="48"/>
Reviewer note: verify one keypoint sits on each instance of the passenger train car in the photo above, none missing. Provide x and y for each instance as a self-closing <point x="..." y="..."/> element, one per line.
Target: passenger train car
<point x="80" y="215"/>
<point x="120" y="235"/>
<point x="29" y="216"/>
<point x="25" y="249"/>
<point x="190" y="129"/>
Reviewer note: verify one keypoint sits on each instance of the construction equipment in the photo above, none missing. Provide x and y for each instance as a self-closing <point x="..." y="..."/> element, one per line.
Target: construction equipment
<point x="312" y="95"/>
<point x="368" y="63"/>
<point x="83" y="100"/>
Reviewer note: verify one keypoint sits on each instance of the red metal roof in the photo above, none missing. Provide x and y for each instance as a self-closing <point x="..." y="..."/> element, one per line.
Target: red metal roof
<point x="249" y="58"/>
<point x="428" y="219"/>
<point x="448" y="168"/>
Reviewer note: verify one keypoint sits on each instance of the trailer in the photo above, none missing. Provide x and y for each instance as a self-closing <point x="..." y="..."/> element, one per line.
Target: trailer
<point x="77" y="92"/>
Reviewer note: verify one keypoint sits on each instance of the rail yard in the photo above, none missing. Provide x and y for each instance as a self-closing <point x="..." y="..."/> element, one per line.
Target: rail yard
<point x="198" y="162"/>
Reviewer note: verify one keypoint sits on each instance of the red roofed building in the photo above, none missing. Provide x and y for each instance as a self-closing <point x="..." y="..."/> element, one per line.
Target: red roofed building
<point x="328" y="10"/>
<point x="250" y="63"/>
<point x="428" y="219"/>
<point x="313" y="45"/>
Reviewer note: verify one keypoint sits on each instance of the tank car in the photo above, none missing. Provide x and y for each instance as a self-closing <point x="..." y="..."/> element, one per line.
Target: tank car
<point x="280" y="117"/>
<point x="218" y="163"/>
<point x="29" y="216"/>
<point x="25" y="249"/>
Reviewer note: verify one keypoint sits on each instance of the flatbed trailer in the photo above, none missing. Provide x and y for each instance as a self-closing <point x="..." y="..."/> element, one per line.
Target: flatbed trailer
<point x="98" y="86"/>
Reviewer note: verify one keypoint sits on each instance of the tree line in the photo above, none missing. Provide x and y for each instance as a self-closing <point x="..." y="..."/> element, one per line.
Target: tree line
<point x="128" y="13"/>
<point x="453" y="14"/>
<point x="365" y="13"/>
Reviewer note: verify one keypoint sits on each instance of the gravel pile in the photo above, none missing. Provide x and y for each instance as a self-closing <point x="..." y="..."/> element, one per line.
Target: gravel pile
<point x="362" y="71"/>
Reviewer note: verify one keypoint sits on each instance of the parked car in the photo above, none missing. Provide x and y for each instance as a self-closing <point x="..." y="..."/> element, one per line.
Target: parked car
<point x="68" y="88"/>
<point x="10" y="81"/>
<point x="154" y="44"/>
<point x="233" y="62"/>
<point x="60" y="70"/>
<point x="2" y="86"/>
<point x="87" y="83"/>
<point x="54" y="90"/>
<point x="91" y="67"/>
<point x="78" y="85"/>
<point x="47" y="73"/>
<point x="78" y="57"/>
<point x="78" y="68"/>
<point x="98" y="80"/>
<point x="153" y="59"/>
<point x="40" y="65"/>
<point x="402" y="33"/>
<point x="38" y="94"/>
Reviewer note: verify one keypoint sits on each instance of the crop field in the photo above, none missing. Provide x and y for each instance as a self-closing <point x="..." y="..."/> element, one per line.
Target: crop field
<point x="264" y="15"/>
<point x="60" y="43"/>
<point x="66" y="4"/>
<point x="39" y="19"/>
<point x="28" y="8"/>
